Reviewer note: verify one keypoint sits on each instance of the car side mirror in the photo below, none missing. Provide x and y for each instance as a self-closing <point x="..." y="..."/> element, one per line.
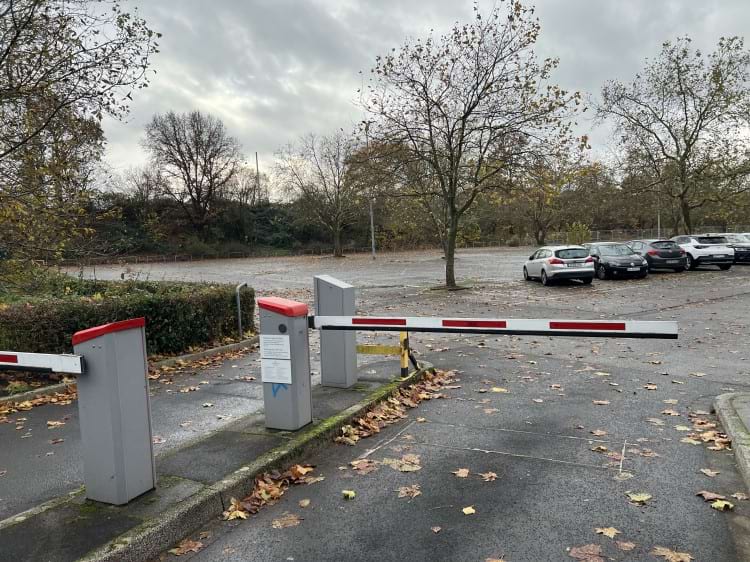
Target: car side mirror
<point x="531" y="257"/>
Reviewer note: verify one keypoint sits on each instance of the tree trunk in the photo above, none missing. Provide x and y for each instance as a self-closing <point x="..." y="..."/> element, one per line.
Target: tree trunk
<point x="337" y="251"/>
<point x="685" y="208"/>
<point x="540" y="235"/>
<point x="450" y="253"/>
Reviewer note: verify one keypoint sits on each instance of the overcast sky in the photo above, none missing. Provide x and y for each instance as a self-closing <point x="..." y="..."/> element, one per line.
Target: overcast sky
<point x="273" y="70"/>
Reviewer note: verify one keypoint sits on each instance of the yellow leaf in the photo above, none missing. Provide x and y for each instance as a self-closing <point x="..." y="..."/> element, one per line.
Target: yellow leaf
<point x="499" y="389"/>
<point x="607" y="531"/>
<point x="639" y="497"/>
<point x="348" y="494"/>
<point x="304" y="503"/>
<point x="235" y="511"/>
<point x="469" y="510"/>
<point x="722" y="505"/>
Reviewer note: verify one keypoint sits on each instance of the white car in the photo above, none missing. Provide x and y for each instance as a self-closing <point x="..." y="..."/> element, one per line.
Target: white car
<point x="706" y="250"/>
<point x="550" y="263"/>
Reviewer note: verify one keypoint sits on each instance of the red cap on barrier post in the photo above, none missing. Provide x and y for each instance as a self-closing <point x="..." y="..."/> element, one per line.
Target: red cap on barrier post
<point x="285" y="307"/>
<point x="91" y="333"/>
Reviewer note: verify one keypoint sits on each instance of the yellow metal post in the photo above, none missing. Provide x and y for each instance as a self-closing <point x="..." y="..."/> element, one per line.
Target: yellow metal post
<point x="403" y="340"/>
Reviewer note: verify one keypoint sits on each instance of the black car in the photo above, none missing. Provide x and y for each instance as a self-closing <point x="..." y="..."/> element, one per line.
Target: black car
<point x="615" y="259"/>
<point x="660" y="254"/>
<point x="741" y="245"/>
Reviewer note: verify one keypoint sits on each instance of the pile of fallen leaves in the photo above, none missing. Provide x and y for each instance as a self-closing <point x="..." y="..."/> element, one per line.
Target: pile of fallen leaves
<point x="60" y="398"/>
<point x="181" y="367"/>
<point x="269" y="487"/>
<point x="705" y="432"/>
<point x="394" y="408"/>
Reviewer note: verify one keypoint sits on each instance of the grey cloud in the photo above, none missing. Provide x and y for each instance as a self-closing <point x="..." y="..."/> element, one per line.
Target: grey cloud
<point x="276" y="69"/>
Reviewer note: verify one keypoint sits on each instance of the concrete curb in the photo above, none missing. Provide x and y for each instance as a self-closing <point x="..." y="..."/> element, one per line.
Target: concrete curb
<point x="61" y="387"/>
<point x="155" y="535"/>
<point x="736" y="429"/>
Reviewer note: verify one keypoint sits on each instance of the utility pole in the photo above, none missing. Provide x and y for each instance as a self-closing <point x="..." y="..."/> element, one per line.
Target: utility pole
<point x="658" y="213"/>
<point x="257" y="178"/>
<point x="372" y="212"/>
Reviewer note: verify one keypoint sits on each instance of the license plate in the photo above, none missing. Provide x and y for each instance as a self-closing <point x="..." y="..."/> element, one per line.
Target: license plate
<point x="673" y="261"/>
<point x="634" y="269"/>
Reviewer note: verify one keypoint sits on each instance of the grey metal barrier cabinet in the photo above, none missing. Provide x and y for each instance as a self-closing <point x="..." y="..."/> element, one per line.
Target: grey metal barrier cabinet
<point x="285" y="363"/>
<point x="338" y="349"/>
<point x="114" y="412"/>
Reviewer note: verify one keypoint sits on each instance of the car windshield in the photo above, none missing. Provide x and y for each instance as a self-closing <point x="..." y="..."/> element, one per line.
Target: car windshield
<point x="665" y="245"/>
<point x="616" y="250"/>
<point x="571" y="253"/>
<point x="712" y="240"/>
<point x="738" y="238"/>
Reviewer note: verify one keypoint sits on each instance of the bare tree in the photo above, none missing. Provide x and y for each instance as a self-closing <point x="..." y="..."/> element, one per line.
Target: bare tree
<point x="248" y="187"/>
<point x="683" y="121"/>
<point x="463" y="109"/>
<point x="197" y="157"/>
<point x="320" y="171"/>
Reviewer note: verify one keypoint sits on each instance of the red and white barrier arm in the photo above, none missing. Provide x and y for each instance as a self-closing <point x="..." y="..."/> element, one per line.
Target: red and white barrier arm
<point x="72" y="364"/>
<point x="517" y="326"/>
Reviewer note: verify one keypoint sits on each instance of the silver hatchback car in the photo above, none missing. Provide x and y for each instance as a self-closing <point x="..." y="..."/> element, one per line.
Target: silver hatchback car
<point x="550" y="263"/>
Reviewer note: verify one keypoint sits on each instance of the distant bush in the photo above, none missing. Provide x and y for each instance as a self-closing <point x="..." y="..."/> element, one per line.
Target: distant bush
<point x="578" y="233"/>
<point x="178" y="315"/>
<point x="514" y="241"/>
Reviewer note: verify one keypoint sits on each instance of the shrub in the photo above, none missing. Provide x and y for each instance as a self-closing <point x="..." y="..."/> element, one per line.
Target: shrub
<point x="578" y="233"/>
<point x="178" y="315"/>
<point x="514" y="241"/>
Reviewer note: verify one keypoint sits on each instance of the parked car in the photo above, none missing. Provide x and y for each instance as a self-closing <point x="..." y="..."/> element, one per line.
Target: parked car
<point x="660" y="254"/>
<point x="615" y="259"/>
<point x="706" y="250"/>
<point x="550" y="263"/>
<point x="740" y="243"/>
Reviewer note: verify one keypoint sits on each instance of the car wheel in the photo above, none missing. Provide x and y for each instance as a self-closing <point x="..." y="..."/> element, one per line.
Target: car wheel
<point x="679" y="269"/>
<point x="526" y="274"/>
<point x="725" y="267"/>
<point x="587" y="280"/>
<point x="689" y="262"/>
<point x="545" y="279"/>
<point x="601" y="272"/>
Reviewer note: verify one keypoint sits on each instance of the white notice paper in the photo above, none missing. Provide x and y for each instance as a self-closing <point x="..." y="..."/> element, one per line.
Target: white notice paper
<point x="276" y="371"/>
<point x="275" y="347"/>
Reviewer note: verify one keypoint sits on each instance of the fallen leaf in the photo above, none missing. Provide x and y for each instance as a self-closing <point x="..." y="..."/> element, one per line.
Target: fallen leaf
<point x="488" y="476"/>
<point x="607" y="531"/>
<point x="51" y="424"/>
<point x="670" y="555"/>
<point x="599" y="432"/>
<point x="722" y="505"/>
<point x="499" y="389"/>
<point x="207" y="405"/>
<point x="537" y="400"/>
<point x="421" y="420"/>
<point x="655" y="421"/>
<point x="409" y="491"/>
<point x="469" y="510"/>
<point x="599" y="449"/>
<point x="364" y="466"/>
<point x="436" y="529"/>
<point x="697" y="374"/>
<point x="587" y="553"/>
<point x="461" y="472"/>
<point x="56" y="441"/>
<point x="670" y="401"/>
<point x="601" y="402"/>
<point x="304" y="503"/>
<point x="708" y="472"/>
<point x="286" y="520"/>
<point x="639" y="498"/>
<point x="601" y="374"/>
<point x="186" y="546"/>
<point x="650" y="386"/>
<point x="682" y="428"/>
<point x="670" y="412"/>
<point x="710" y="496"/>
<point x="407" y="463"/>
<point x="348" y="494"/>
<point x="739" y="496"/>
<point x="625" y="545"/>
<point x="235" y="511"/>
<point x="690" y="441"/>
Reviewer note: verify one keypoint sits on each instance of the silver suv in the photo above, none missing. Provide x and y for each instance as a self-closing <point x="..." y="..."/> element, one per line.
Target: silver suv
<point x="550" y="263"/>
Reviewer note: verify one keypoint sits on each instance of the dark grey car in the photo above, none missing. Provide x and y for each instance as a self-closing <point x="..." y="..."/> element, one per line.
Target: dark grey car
<point x="660" y="254"/>
<point x="616" y="260"/>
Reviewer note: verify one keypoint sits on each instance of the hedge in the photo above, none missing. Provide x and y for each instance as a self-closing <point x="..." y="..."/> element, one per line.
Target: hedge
<point x="178" y="315"/>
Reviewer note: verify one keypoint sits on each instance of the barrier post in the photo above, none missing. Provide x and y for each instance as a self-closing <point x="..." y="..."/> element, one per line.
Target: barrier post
<point x="114" y="412"/>
<point x="338" y="350"/>
<point x="403" y="339"/>
<point x="285" y="363"/>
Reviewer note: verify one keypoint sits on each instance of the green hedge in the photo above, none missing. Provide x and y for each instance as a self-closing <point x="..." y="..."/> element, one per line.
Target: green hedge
<point x="178" y="315"/>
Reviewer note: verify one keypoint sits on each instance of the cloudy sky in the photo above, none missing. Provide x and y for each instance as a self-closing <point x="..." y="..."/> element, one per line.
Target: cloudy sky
<point x="273" y="70"/>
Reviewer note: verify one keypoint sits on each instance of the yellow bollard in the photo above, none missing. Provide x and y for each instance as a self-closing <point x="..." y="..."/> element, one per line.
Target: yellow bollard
<point x="403" y="339"/>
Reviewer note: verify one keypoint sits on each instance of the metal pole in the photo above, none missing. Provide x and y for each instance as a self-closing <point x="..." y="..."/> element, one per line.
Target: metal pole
<point x="658" y="214"/>
<point x="239" y="309"/>
<point x="257" y="179"/>
<point x="372" y="229"/>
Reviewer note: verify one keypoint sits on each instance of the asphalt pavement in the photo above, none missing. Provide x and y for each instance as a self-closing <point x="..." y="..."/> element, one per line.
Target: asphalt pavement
<point x="556" y="484"/>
